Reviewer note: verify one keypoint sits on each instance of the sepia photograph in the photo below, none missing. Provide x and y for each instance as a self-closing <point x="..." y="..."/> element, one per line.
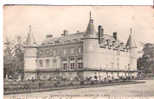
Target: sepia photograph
<point x="51" y="52"/>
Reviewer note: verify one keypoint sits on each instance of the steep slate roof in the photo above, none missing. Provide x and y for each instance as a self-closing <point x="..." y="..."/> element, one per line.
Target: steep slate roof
<point x="90" y="33"/>
<point x="130" y="42"/>
<point x="30" y="40"/>
<point x="70" y="38"/>
<point x="74" y="38"/>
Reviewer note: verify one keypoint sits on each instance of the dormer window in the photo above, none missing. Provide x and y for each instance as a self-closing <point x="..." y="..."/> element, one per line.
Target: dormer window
<point x="72" y="58"/>
<point x="79" y="58"/>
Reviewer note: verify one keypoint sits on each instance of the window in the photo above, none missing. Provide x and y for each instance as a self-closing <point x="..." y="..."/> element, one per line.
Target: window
<point x="72" y="65"/>
<point x="41" y="63"/>
<point x="65" y="66"/>
<point x="47" y="62"/>
<point x="80" y="65"/>
<point x="79" y="58"/>
<point x="72" y="58"/>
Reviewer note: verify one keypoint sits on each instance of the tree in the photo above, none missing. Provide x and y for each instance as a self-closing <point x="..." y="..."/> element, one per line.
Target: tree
<point x="146" y="62"/>
<point x="8" y="59"/>
<point x="19" y="56"/>
<point x="14" y="58"/>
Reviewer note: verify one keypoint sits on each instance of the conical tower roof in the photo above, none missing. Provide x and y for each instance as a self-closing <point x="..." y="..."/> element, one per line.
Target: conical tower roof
<point x="131" y="42"/>
<point x="30" y="40"/>
<point x="90" y="31"/>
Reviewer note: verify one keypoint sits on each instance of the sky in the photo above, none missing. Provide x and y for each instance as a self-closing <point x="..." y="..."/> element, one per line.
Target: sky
<point x="55" y="19"/>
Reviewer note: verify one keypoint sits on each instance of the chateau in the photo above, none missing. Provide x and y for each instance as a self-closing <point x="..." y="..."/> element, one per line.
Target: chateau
<point x="83" y="54"/>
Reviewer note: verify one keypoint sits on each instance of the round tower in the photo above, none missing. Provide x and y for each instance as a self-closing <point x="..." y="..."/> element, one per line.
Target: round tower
<point x="90" y="46"/>
<point x="30" y="57"/>
<point x="132" y="48"/>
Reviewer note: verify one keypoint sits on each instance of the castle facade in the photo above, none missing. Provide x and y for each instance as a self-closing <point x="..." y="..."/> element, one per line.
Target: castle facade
<point x="89" y="54"/>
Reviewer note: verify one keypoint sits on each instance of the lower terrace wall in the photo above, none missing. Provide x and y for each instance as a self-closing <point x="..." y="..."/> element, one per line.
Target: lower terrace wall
<point x="99" y="75"/>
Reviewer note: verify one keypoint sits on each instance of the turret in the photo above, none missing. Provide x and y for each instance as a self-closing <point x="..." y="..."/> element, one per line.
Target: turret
<point x="132" y="48"/>
<point x="90" y="31"/>
<point x="30" y="40"/>
<point x="30" y="57"/>
<point x="131" y="42"/>
<point x="90" y="46"/>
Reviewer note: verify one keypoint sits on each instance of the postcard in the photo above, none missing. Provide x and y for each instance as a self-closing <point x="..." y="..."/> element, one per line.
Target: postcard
<point x="90" y="52"/>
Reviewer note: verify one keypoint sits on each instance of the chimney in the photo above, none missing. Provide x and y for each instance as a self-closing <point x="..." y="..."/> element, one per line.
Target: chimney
<point x="65" y="33"/>
<point x="115" y="35"/>
<point x="100" y="32"/>
<point x="49" y="36"/>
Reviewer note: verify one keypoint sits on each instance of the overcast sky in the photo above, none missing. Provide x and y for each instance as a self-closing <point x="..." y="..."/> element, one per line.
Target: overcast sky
<point x="54" y="19"/>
